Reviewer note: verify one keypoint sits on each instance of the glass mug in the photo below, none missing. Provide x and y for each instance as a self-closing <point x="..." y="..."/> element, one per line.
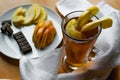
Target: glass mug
<point x="77" y="50"/>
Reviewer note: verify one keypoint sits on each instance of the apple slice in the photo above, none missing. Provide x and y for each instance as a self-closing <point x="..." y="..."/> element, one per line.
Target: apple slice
<point x="86" y="16"/>
<point x="18" y="16"/>
<point x="83" y="19"/>
<point x="30" y="16"/>
<point x="18" y="20"/>
<point x="38" y="11"/>
<point x="104" y="23"/>
<point x="70" y="29"/>
<point x="46" y="25"/>
<point x="44" y="38"/>
<point x="48" y="35"/>
<point x="42" y="16"/>
<point x="18" y="11"/>
<point x="51" y="35"/>
<point x="39" y="36"/>
<point x="44" y="34"/>
<point x="93" y="9"/>
<point x="38" y="26"/>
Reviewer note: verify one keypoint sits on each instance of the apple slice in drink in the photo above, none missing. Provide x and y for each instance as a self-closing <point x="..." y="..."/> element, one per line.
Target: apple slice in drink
<point x="104" y="23"/>
<point x="70" y="29"/>
<point x="86" y="16"/>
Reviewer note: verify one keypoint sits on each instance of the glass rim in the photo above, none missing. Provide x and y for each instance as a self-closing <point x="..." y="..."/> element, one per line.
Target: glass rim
<point x="88" y="39"/>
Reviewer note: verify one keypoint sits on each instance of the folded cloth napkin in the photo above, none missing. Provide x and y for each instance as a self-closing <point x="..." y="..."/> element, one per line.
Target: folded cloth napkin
<point x="67" y="6"/>
<point x="41" y="68"/>
<point x="107" y="51"/>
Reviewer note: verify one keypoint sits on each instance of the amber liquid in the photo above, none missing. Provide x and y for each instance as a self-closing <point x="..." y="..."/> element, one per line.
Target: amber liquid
<point x="76" y="50"/>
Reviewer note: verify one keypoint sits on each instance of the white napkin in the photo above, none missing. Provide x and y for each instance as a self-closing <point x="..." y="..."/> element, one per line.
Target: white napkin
<point x="107" y="58"/>
<point x="67" y="6"/>
<point x="42" y="68"/>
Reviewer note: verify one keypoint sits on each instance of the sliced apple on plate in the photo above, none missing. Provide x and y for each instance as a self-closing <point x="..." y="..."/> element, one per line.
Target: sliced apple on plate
<point x="38" y="26"/>
<point x="18" y="11"/>
<point x="37" y="10"/>
<point x="33" y="15"/>
<point x="42" y="16"/>
<point x="30" y="16"/>
<point x="18" y="16"/>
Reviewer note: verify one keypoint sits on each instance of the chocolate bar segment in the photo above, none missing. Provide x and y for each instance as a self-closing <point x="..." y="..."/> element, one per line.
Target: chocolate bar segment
<point x="6" y="21"/>
<point x="9" y="30"/>
<point x="6" y="29"/>
<point x="3" y="28"/>
<point x="22" y="42"/>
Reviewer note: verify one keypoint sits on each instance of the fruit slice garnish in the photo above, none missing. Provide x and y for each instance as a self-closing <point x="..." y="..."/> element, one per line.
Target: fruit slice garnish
<point x="104" y="23"/>
<point x="86" y="16"/>
<point x="70" y="29"/>
<point x="83" y="19"/>
<point x="93" y="9"/>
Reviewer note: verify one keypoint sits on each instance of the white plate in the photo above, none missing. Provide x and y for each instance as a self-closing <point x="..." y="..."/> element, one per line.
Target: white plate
<point x="10" y="48"/>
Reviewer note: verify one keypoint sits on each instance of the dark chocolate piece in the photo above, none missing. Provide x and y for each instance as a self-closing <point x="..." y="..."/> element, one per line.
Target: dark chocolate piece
<point x="19" y="37"/>
<point x="7" y="29"/>
<point x="3" y="29"/>
<point x="22" y="42"/>
<point x="6" y="21"/>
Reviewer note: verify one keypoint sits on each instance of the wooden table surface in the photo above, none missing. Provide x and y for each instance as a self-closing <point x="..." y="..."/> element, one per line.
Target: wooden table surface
<point x="11" y="71"/>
